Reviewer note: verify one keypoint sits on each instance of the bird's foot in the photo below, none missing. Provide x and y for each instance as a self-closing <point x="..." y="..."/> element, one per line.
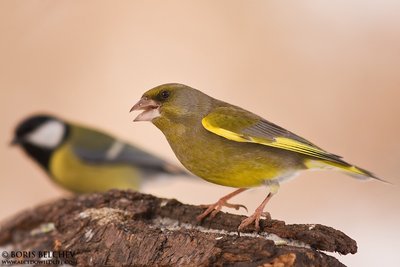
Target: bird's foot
<point x="255" y="217"/>
<point x="216" y="207"/>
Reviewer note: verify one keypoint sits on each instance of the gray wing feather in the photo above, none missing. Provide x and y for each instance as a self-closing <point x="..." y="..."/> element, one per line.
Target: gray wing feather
<point x="95" y="147"/>
<point x="270" y="130"/>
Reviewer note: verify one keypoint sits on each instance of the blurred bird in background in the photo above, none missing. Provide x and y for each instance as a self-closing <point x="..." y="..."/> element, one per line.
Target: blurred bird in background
<point x="83" y="160"/>
<point x="227" y="145"/>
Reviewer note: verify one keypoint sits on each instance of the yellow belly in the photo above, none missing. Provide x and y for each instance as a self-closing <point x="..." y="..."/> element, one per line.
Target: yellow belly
<point x="71" y="173"/>
<point x="242" y="175"/>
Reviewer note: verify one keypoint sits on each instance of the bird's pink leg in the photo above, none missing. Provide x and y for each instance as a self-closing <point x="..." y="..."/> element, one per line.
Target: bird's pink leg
<point x="255" y="217"/>
<point x="222" y="202"/>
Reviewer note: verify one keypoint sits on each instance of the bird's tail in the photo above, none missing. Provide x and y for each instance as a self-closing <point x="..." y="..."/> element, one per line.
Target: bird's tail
<point x="344" y="167"/>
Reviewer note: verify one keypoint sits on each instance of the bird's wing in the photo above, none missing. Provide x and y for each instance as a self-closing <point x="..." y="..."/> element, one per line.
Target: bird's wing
<point x="240" y="125"/>
<point x="99" y="148"/>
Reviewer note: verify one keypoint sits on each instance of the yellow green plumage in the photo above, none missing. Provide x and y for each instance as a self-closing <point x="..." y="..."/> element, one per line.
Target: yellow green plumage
<point x="82" y="159"/>
<point x="227" y="145"/>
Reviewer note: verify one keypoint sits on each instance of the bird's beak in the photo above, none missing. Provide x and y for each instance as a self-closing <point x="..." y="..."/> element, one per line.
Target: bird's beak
<point x="150" y="107"/>
<point x="15" y="141"/>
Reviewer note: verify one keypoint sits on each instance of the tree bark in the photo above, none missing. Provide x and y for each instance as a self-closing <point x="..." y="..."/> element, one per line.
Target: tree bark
<point x="121" y="228"/>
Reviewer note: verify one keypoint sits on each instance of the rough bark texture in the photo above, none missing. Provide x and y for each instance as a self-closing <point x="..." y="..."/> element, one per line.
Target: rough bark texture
<point x="129" y="228"/>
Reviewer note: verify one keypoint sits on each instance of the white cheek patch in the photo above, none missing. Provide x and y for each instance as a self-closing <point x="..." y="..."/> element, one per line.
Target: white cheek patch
<point x="49" y="135"/>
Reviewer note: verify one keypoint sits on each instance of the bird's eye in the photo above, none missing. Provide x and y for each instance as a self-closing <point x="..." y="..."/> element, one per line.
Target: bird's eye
<point x="164" y="94"/>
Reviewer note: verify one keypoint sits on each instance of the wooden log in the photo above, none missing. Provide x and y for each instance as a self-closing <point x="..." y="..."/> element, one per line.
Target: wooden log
<point x="121" y="228"/>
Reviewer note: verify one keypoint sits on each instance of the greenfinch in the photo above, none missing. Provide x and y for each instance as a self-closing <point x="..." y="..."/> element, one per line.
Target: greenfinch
<point x="227" y="145"/>
<point x="83" y="160"/>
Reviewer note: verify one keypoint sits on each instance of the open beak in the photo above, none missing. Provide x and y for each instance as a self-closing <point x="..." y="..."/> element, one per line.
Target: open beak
<point x="151" y="109"/>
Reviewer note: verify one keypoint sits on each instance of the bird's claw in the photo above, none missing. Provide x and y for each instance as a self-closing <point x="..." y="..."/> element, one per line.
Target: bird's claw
<point x="266" y="215"/>
<point x="216" y="207"/>
<point x="255" y="217"/>
<point x="235" y="206"/>
<point x="249" y="220"/>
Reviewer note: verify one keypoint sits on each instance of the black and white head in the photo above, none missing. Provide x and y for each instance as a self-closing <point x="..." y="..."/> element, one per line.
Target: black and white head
<point x="39" y="136"/>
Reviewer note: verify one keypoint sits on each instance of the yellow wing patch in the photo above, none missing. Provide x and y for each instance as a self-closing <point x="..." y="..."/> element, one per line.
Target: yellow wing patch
<point x="278" y="142"/>
<point x="223" y="132"/>
<point x="321" y="159"/>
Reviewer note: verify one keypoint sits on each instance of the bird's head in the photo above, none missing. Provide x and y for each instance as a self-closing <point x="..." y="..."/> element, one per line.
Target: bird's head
<point x="39" y="136"/>
<point x="171" y="101"/>
<point x="41" y="131"/>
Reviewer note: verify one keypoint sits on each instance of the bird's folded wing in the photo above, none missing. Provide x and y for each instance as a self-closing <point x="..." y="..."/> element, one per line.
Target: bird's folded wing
<point x="103" y="149"/>
<point x="240" y="125"/>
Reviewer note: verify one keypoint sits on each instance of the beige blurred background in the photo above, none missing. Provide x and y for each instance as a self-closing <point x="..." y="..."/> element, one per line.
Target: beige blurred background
<point x="327" y="70"/>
